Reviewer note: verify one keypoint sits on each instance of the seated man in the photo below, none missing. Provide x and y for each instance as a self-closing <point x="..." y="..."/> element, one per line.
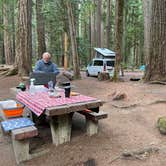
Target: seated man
<point x="45" y="65"/>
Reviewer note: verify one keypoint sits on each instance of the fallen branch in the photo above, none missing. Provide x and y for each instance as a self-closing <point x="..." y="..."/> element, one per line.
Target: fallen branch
<point x="139" y="154"/>
<point x="9" y="72"/>
<point x="12" y="71"/>
<point x="134" y="153"/>
<point x="4" y="69"/>
<point x="3" y="73"/>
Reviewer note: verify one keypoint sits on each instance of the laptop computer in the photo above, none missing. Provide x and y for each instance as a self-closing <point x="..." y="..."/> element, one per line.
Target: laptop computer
<point x="43" y="78"/>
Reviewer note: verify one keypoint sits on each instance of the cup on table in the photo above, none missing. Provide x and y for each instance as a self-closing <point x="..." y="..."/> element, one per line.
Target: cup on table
<point x="67" y="91"/>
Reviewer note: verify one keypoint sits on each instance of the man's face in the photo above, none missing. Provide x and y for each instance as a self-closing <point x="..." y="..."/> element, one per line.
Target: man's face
<point x="46" y="58"/>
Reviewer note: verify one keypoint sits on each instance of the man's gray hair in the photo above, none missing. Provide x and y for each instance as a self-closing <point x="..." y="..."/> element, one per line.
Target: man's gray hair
<point x="46" y="54"/>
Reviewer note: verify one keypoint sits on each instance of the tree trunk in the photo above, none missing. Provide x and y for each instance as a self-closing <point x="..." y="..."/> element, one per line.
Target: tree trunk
<point x="73" y="40"/>
<point x="7" y="36"/>
<point x="147" y="7"/>
<point x="2" y="41"/>
<point x="156" y="67"/>
<point x="108" y="23"/>
<point x="98" y="23"/>
<point x="23" y="59"/>
<point x="118" y="36"/>
<point x="40" y="28"/>
<point x="13" y="30"/>
<point x="92" y="37"/>
<point x="65" y="51"/>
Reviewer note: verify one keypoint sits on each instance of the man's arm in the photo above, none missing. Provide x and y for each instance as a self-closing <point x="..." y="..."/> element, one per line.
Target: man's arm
<point x="55" y="69"/>
<point x="38" y="67"/>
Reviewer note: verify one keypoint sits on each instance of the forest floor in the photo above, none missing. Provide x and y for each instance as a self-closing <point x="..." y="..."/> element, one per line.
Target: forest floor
<point x="130" y="126"/>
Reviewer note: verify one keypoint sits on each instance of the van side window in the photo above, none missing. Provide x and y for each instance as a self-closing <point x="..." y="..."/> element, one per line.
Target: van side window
<point x="98" y="63"/>
<point x="111" y="63"/>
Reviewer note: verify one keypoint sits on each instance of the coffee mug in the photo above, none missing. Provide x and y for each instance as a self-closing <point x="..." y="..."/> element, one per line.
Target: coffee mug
<point x="67" y="91"/>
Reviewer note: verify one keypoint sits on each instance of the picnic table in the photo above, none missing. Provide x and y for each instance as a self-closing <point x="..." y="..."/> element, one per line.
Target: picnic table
<point x="60" y="111"/>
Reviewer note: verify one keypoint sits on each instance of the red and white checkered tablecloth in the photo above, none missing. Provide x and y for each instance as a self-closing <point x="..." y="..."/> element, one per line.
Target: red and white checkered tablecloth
<point x="41" y="100"/>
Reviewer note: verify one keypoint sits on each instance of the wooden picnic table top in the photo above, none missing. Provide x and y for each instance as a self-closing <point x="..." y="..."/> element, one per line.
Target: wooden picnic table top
<point x="67" y="108"/>
<point x="42" y="103"/>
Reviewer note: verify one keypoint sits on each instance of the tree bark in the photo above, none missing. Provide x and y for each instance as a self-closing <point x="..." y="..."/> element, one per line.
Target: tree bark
<point x="98" y="23"/>
<point x="92" y="30"/>
<point x="23" y="59"/>
<point x="118" y="36"/>
<point x="2" y="41"/>
<point x="147" y="8"/>
<point x="156" y="66"/>
<point x="108" y="23"/>
<point x="40" y="28"/>
<point x="72" y="30"/>
<point x="13" y="30"/>
<point x="7" y="36"/>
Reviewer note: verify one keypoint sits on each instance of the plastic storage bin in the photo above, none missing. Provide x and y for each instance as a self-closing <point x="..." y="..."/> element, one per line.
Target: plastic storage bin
<point x="13" y="111"/>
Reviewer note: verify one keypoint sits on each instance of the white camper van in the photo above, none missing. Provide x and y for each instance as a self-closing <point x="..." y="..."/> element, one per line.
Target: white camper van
<point x="104" y="61"/>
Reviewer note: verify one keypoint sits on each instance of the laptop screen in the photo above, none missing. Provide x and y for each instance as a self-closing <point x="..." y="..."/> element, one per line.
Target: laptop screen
<point x="43" y="78"/>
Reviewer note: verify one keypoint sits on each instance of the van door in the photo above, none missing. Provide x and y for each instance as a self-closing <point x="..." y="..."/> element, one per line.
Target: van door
<point x="110" y="67"/>
<point x="90" y="68"/>
<point x="97" y="67"/>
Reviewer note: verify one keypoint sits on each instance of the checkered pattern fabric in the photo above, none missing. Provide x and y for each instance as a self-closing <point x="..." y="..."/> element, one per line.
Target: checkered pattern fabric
<point x="41" y="100"/>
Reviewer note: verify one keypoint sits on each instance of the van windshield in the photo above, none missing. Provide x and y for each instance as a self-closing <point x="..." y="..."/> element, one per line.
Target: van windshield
<point x="110" y="63"/>
<point x="98" y="63"/>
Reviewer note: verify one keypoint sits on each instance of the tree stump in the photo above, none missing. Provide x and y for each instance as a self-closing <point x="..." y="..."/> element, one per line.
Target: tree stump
<point x="103" y="76"/>
<point x="119" y="96"/>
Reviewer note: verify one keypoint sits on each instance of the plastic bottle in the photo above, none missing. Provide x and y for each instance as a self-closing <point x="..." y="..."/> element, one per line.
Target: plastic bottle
<point x="32" y="86"/>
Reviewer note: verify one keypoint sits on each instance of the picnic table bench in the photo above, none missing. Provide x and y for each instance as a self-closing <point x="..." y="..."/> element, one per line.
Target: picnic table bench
<point x="21" y="130"/>
<point x="92" y="119"/>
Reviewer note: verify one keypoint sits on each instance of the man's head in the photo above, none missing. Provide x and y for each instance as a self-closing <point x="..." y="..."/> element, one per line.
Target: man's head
<point x="46" y="57"/>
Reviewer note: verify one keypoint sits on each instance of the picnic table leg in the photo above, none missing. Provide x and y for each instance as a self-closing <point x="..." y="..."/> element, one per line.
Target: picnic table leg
<point x="61" y="128"/>
<point x="21" y="150"/>
<point x="91" y="127"/>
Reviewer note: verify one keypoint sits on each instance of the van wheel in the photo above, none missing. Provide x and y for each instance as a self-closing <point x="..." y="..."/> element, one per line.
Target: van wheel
<point x="87" y="73"/>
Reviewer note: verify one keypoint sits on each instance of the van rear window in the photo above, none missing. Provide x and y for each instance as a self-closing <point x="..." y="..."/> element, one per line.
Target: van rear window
<point x="98" y="63"/>
<point x="111" y="63"/>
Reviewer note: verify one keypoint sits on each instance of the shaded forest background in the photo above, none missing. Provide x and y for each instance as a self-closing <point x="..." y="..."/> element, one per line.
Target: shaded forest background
<point x="69" y="30"/>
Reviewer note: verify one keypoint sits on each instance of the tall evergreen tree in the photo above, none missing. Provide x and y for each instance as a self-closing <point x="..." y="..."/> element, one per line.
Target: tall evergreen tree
<point x="156" y="65"/>
<point x="23" y="59"/>
<point x="40" y="28"/>
<point x="118" y="36"/>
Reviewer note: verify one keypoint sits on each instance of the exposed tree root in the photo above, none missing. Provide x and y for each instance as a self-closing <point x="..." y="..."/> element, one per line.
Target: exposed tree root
<point x="125" y="106"/>
<point x="158" y="101"/>
<point x="158" y="82"/>
<point x="137" y="104"/>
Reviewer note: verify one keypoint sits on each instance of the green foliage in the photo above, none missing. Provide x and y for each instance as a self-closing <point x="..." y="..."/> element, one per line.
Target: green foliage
<point x="134" y="30"/>
<point x="83" y="51"/>
<point x="56" y="23"/>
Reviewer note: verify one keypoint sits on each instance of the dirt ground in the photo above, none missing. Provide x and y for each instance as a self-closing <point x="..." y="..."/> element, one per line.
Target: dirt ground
<point x="131" y="125"/>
